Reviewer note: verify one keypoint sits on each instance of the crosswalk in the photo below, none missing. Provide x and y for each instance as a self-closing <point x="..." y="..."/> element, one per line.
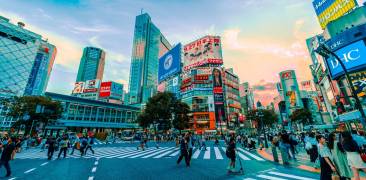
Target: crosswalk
<point x="276" y="175"/>
<point x="211" y="153"/>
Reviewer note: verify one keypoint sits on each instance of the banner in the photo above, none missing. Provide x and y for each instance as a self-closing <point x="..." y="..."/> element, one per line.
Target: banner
<point x="206" y="50"/>
<point x="91" y="86"/>
<point x="169" y="63"/>
<point x="359" y="83"/>
<point x="105" y="89"/>
<point x="218" y="96"/>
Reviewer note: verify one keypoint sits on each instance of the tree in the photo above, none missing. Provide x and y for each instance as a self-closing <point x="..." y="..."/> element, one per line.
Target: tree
<point x="159" y="110"/>
<point x="20" y="107"/>
<point x="302" y="116"/>
<point x="269" y="116"/>
<point x="181" y="118"/>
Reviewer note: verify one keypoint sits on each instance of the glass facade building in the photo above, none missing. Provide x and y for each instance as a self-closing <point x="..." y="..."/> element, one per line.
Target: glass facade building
<point x="18" y="51"/>
<point x="148" y="45"/>
<point x="91" y="64"/>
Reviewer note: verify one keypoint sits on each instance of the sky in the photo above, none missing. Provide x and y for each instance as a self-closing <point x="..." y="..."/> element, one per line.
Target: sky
<point x="260" y="38"/>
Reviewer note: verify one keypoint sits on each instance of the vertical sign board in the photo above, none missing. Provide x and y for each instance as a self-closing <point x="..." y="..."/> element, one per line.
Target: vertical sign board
<point x="105" y="89"/>
<point x="359" y="82"/>
<point x="78" y="88"/>
<point x="169" y="63"/>
<point x="218" y="95"/>
<point x="291" y="90"/>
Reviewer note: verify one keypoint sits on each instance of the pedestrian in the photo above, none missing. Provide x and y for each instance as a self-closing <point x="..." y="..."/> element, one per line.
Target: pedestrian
<point x="83" y="145"/>
<point x="230" y="153"/>
<point x="7" y="155"/>
<point x="284" y="148"/>
<point x="203" y="143"/>
<point x="75" y="144"/>
<point x="184" y="151"/>
<point x="51" y="147"/>
<point x="64" y="144"/>
<point x="190" y="146"/>
<point x="339" y="157"/>
<point x="89" y="145"/>
<point x="313" y="150"/>
<point x="293" y="144"/>
<point x="327" y="168"/>
<point x="275" y="144"/>
<point x="353" y="155"/>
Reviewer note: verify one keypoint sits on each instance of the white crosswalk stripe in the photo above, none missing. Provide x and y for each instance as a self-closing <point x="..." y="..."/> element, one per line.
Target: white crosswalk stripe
<point x="275" y="175"/>
<point x="217" y="153"/>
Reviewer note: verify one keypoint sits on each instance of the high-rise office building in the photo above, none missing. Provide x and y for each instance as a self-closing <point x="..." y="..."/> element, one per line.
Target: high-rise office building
<point x="42" y="67"/>
<point x="148" y="45"/>
<point x="18" y="51"/>
<point x="91" y="64"/>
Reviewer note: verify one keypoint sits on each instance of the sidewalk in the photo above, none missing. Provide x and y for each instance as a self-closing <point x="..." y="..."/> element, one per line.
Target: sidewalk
<point x="302" y="161"/>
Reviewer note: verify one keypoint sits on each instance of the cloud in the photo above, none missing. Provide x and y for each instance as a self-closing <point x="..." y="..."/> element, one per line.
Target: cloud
<point x="43" y="14"/>
<point x="95" y="29"/>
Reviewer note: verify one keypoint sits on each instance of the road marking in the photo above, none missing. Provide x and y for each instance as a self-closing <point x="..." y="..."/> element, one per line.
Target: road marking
<point x="164" y="154"/>
<point x="243" y="157"/>
<point x="158" y="152"/>
<point x="175" y="153"/>
<point x="121" y="152"/>
<point x="290" y="176"/>
<point x="30" y="170"/>
<point x="44" y="163"/>
<point x="96" y="163"/>
<point x="138" y="154"/>
<point x="217" y="153"/>
<point x="249" y="179"/>
<point x="12" y="178"/>
<point x="94" y="169"/>
<point x="270" y="177"/>
<point x="207" y="154"/>
<point x="91" y="178"/>
<point x="196" y="154"/>
<point x="250" y="154"/>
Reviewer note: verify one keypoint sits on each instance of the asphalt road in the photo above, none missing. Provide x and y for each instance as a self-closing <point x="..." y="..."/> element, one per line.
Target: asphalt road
<point x="123" y="161"/>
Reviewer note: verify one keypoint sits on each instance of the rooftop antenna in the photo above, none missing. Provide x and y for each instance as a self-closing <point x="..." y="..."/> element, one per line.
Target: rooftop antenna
<point x="142" y="9"/>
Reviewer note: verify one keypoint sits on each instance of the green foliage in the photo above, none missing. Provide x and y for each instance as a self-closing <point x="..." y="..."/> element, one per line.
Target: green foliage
<point x="159" y="110"/>
<point x="302" y="116"/>
<point x="26" y="105"/>
<point x="269" y="116"/>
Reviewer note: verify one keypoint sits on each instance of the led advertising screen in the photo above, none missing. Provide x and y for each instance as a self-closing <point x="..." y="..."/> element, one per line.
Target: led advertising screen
<point x="218" y="95"/>
<point x="353" y="56"/>
<point x="105" y="89"/>
<point x="329" y="10"/>
<point x="359" y="82"/>
<point x="169" y="63"/>
<point x="78" y="88"/>
<point x="91" y="86"/>
<point x="206" y="50"/>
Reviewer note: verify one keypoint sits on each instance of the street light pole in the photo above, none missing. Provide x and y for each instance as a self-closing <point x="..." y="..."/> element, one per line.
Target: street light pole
<point x="324" y="51"/>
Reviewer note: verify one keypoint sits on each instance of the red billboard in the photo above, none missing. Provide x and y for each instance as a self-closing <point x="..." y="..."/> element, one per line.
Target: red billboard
<point x="105" y="89"/>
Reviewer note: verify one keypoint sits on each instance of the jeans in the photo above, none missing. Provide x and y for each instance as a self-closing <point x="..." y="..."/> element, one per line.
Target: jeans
<point x="7" y="167"/>
<point x="50" y="152"/>
<point x="184" y="154"/>
<point x="63" y="149"/>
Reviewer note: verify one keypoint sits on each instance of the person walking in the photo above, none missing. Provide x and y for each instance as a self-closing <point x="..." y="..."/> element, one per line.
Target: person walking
<point x="190" y="146"/>
<point x="230" y="153"/>
<point x="51" y="147"/>
<point x="353" y="155"/>
<point x="75" y="144"/>
<point x="83" y="145"/>
<point x="203" y="143"/>
<point x="275" y="144"/>
<point x="64" y="144"/>
<point x="284" y="148"/>
<point x="327" y="168"/>
<point x="184" y="151"/>
<point x="339" y="157"/>
<point x="7" y="155"/>
<point x="313" y="150"/>
<point x="89" y="145"/>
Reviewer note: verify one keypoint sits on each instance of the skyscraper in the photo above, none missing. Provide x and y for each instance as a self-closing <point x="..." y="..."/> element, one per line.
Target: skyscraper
<point x="42" y="67"/>
<point x="91" y="64"/>
<point x="148" y="45"/>
<point x="20" y="61"/>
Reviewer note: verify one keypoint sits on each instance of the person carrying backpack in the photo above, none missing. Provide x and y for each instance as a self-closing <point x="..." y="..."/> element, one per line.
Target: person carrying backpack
<point x="64" y="144"/>
<point x="83" y="144"/>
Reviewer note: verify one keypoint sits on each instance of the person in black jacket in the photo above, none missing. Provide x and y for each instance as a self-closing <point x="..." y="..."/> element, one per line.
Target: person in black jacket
<point x="230" y="153"/>
<point x="184" y="150"/>
<point x="51" y="147"/>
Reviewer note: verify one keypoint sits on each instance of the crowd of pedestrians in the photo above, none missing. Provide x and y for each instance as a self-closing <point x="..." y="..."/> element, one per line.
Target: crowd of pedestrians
<point x="336" y="154"/>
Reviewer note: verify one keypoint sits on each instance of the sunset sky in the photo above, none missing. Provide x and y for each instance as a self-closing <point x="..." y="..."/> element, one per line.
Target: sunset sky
<point x="260" y="37"/>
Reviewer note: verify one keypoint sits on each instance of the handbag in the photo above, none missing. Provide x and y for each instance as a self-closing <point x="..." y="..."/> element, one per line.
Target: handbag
<point x="335" y="176"/>
<point x="363" y="156"/>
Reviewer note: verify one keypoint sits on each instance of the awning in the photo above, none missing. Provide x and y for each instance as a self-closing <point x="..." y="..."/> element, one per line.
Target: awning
<point x="350" y="116"/>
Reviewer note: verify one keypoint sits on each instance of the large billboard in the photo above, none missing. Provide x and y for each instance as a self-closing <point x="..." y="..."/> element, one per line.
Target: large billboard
<point x="218" y="95"/>
<point x="329" y="10"/>
<point x="353" y="56"/>
<point x="105" y="89"/>
<point x="169" y="63"/>
<point x="91" y="86"/>
<point x="78" y="88"/>
<point x="206" y="50"/>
